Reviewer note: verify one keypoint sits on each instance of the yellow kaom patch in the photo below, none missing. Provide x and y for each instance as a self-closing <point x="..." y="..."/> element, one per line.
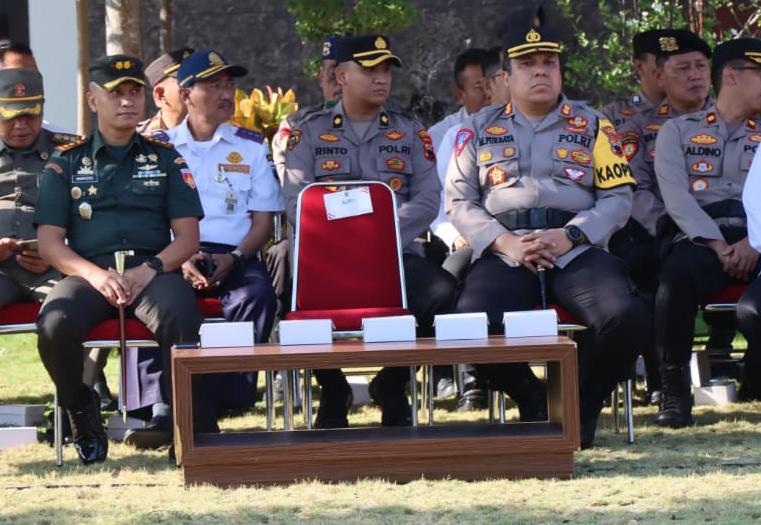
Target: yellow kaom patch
<point x="611" y="168"/>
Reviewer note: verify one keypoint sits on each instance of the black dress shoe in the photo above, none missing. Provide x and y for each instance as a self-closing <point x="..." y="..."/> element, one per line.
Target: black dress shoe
<point x="472" y="400"/>
<point x="589" y="413"/>
<point x="334" y="408"/>
<point x="90" y="439"/>
<point x="157" y="434"/>
<point x="675" y="410"/>
<point x="396" y="411"/>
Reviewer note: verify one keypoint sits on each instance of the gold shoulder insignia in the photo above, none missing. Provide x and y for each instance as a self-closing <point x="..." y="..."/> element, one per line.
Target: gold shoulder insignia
<point x="158" y="142"/>
<point x="62" y="139"/>
<point x="68" y="146"/>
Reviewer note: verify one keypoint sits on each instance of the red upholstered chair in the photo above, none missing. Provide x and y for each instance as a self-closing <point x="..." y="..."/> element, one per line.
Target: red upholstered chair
<point x="19" y="318"/>
<point x="351" y="268"/>
<point x="725" y="300"/>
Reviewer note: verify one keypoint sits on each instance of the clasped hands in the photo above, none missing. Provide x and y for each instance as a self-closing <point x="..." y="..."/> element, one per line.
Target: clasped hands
<point x="538" y="249"/>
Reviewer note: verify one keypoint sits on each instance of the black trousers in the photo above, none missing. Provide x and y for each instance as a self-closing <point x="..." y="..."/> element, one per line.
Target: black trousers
<point x="595" y="288"/>
<point x="689" y="275"/>
<point x="430" y="291"/>
<point x="749" y="322"/>
<point x="73" y="308"/>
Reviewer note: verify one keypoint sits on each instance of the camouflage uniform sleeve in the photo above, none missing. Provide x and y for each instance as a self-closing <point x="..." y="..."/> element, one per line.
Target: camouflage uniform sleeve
<point x="53" y="197"/>
<point x="674" y="181"/>
<point x="299" y="168"/>
<point x="647" y="205"/>
<point x="613" y="188"/>
<point x="463" y="195"/>
<point x="417" y="213"/>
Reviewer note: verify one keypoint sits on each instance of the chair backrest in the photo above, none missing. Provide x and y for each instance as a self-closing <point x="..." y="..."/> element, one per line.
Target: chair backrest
<point x="353" y="262"/>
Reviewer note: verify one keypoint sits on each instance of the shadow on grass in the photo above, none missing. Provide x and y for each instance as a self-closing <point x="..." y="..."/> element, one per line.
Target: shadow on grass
<point x="42" y="399"/>
<point x="147" y="462"/>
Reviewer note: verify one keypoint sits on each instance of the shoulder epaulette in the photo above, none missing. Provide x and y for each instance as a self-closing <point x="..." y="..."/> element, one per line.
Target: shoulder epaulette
<point x="68" y="146"/>
<point x="63" y="139"/>
<point x="160" y="139"/>
<point x="249" y="134"/>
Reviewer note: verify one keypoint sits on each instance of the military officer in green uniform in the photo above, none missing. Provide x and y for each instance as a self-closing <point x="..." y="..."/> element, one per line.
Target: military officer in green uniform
<point x="24" y="151"/>
<point x="542" y="183"/>
<point x="114" y="191"/>
<point x="702" y="163"/>
<point x="363" y="138"/>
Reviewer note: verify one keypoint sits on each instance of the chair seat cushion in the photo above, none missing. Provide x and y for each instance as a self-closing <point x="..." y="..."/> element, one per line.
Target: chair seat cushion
<point x="109" y="331"/>
<point x="728" y="295"/>
<point x="348" y="318"/>
<point x="19" y="313"/>
<point x="210" y="306"/>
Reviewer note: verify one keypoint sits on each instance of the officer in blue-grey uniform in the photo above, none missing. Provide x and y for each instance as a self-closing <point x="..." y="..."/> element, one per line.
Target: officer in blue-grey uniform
<point x="541" y="183"/>
<point x="371" y="140"/>
<point x="114" y="191"/>
<point x="239" y="194"/>
<point x="702" y="161"/>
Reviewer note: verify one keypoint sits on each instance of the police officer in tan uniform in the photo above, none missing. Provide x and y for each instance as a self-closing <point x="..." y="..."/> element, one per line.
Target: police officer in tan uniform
<point x="542" y="182"/>
<point x="645" y="47"/>
<point x="682" y="60"/>
<point x="362" y="138"/>
<point x="702" y="162"/>
<point x="162" y="75"/>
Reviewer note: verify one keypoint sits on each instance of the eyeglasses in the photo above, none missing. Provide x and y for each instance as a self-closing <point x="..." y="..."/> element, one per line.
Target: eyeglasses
<point x="747" y="68"/>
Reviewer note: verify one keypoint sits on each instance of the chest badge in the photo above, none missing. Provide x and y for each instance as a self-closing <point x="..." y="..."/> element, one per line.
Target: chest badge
<point x="92" y="191"/>
<point x="395" y="184"/>
<point x="85" y="211"/>
<point x="76" y="192"/>
<point x="396" y="164"/>
<point x="393" y="135"/>
<point x="562" y="153"/>
<point x="86" y="167"/>
<point x="704" y="139"/>
<point x="508" y="152"/>
<point x="574" y="174"/>
<point x="702" y="166"/>
<point x="497" y="131"/>
<point x="699" y="184"/>
<point x="234" y="157"/>
<point x="485" y="156"/>
<point x="578" y="122"/>
<point x="329" y="137"/>
<point x="581" y="156"/>
<point x="754" y="137"/>
<point x="44" y="155"/>
<point x="331" y="165"/>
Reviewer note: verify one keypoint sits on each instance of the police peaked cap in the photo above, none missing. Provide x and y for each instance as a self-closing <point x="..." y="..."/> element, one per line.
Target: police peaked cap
<point x="530" y="36"/>
<point x="740" y="48"/>
<point x="647" y="41"/>
<point x="366" y="50"/>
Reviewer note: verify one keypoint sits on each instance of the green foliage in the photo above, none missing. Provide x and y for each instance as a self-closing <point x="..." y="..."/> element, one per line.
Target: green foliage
<point x="316" y="19"/>
<point x="598" y="63"/>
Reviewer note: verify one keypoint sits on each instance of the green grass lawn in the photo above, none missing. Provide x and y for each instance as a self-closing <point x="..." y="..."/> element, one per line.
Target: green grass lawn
<point x="710" y="473"/>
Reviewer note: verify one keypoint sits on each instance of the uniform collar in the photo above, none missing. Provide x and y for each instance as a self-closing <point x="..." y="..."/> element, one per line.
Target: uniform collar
<point x="98" y="143"/>
<point x="182" y="135"/>
<point x="382" y="121"/>
<point x="665" y="110"/>
<point x="43" y="145"/>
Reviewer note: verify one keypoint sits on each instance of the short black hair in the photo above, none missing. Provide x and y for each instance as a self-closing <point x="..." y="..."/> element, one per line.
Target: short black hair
<point x="718" y="72"/>
<point x="492" y="61"/>
<point x="14" y="47"/>
<point x="470" y="57"/>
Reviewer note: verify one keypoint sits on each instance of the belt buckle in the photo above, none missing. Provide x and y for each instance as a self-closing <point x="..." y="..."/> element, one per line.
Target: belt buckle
<point x="538" y="218"/>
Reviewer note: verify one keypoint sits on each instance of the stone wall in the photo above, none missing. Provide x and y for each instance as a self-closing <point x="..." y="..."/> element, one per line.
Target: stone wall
<point x="260" y="36"/>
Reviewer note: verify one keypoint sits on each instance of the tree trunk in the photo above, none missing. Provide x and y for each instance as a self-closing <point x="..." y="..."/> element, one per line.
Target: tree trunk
<point x="123" y="27"/>
<point x="165" y="18"/>
<point x="84" y="116"/>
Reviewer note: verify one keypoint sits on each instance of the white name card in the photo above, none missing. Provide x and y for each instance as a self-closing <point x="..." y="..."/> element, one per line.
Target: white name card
<point x="348" y="203"/>
<point x="306" y="332"/>
<point x="227" y="335"/>
<point x="395" y="328"/>
<point x="533" y="323"/>
<point x="461" y="326"/>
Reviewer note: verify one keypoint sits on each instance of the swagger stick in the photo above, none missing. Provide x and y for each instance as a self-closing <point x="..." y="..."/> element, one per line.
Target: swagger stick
<point x="540" y="272"/>
<point x="119" y="257"/>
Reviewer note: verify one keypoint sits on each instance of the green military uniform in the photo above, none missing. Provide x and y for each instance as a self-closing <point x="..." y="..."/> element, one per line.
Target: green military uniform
<point x="110" y="198"/>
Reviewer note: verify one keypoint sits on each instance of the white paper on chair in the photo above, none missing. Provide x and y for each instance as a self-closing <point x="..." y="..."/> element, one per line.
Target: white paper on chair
<point x="348" y="203"/>
<point x="306" y="332"/>
<point x="394" y="328"/>
<point x="227" y="335"/>
<point x="461" y="326"/>
<point x="533" y="323"/>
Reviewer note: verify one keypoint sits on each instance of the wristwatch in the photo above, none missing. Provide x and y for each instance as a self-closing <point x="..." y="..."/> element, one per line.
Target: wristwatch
<point x="238" y="256"/>
<point x="155" y="263"/>
<point x="574" y="234"/>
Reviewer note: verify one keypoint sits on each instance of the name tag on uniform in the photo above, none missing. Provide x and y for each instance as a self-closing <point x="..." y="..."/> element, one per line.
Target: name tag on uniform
<point x="349" y="203"/>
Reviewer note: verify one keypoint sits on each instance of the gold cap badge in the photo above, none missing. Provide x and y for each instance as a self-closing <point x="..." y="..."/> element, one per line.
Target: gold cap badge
<point x="533" y="36"/>
<point x="380" y="43"/>
<point x="668" y="44"/>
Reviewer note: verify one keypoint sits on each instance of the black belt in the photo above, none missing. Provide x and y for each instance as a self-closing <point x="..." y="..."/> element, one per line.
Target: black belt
<point x="534" y="218"/>
<point x="725" y="208"/>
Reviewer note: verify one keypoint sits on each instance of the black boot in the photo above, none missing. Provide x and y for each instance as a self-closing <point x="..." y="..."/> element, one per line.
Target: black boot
<point x="387" y="391"/>
<point x="523" y="387"/>
<point x="589" y="412"/>
<point x="335" y="402"/>
<point x="676" y="400"/>
<point x="87" y="430"/>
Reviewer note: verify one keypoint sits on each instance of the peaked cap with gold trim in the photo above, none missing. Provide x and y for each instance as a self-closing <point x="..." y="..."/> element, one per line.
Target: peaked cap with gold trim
<point x="739" y="48"/>
<point x="112" y="70"/>
<point x="20" y="93"/>
<point x="531" y="36"/>
<point x="166" y="65"/>
<point x="204" y="64"/>
<point x="366" y="50"/>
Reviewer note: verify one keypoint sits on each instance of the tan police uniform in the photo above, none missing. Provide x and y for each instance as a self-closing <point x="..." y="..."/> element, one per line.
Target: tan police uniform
<point x="620" y="111"/>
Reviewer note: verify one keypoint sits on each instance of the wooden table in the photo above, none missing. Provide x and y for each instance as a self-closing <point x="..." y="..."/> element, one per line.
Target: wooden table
<point x="464" y="451"/>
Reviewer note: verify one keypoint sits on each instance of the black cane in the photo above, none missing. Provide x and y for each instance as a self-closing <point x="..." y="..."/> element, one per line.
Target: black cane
<point x="119" y="263"/>
<point x="540" y="272"/>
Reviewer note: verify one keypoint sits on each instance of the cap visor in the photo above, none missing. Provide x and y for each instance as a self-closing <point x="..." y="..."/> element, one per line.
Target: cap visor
<point x="371" y="62"/>
<point x="10" y="111"/>
<point x="111" y="84"/>
<point x="230" y="69"/>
